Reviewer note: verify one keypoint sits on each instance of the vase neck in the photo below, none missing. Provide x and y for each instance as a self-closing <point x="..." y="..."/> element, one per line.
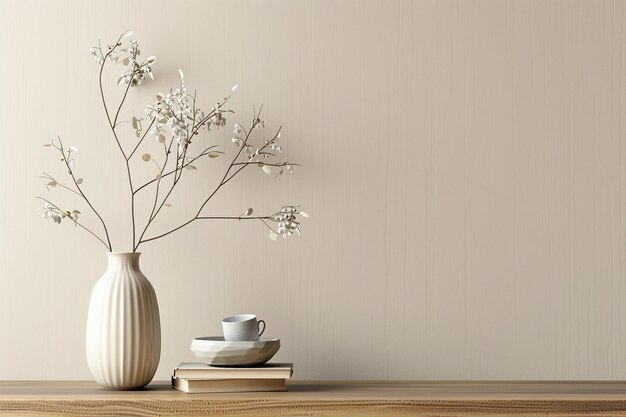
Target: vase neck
<point x="127" y="259"/>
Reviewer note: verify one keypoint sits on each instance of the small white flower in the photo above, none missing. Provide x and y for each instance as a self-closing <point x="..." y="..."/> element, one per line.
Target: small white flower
<point x="286" y="221"/>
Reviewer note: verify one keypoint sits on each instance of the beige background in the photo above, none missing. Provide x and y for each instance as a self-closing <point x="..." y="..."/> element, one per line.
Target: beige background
<point x="462" y="161"/>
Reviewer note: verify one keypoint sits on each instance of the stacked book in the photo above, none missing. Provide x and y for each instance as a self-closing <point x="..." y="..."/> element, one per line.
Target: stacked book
<point x="198" y="377"/>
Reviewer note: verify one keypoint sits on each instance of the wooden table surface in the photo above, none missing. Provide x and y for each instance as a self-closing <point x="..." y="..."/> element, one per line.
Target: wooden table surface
<point x="329" y="398"/>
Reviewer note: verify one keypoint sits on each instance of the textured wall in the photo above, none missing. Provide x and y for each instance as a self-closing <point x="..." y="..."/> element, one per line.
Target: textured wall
<point x="462" y="161"/>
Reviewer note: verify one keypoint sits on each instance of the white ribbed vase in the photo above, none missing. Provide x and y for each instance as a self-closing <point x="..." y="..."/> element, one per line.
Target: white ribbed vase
<point x="123" y="327"/>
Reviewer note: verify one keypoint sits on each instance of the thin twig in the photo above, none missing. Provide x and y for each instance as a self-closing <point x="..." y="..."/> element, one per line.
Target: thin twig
<point x="106" y="110"/>
<point x="204" y="153"/>
<point x="180" y="165"/>
<point x="112" y="125"/>
<point x="267" y="225"/>
<point x="165" y="234"/>
<point x="130" y="155"/>
<point x="119" y="108"/>
<point x="282" y="164"/>
<point x="243" y="145"/>
<point x="77" y="223"/>
<point x="71" y="172"/>
<point x="223" y="181"/>
<point x="48" y="176"/>
<point x="233" y="218"/>
<point x="263" y="219"/>
<point x="158" y="187"/>
<point x="250" y="162"/>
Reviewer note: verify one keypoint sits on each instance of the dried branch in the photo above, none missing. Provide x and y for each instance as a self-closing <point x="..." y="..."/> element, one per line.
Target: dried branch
<point x="112" y="125"/>
<point x="76" y="222"/>
<point x="225" y="179"/>
<point x="61" y="149"/>
<point x="178" y="114"/>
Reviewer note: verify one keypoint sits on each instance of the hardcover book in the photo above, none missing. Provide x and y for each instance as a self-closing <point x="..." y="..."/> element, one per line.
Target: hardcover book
<point x="200" y="370"/>
<point x="199" y="386"/>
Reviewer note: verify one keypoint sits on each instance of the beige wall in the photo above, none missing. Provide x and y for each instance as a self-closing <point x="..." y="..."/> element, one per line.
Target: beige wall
<point x="462" y="161"/>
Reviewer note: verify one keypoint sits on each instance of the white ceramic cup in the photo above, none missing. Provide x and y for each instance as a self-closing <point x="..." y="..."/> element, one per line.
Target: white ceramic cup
<point x="242" y="327"/>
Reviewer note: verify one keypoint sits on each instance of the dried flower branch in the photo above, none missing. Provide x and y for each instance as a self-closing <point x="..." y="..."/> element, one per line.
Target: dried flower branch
<point x="53" y="212"/>
<point x="174" y="120"/>
<point x="285" y="220"/>
<point x="66" y="158"/>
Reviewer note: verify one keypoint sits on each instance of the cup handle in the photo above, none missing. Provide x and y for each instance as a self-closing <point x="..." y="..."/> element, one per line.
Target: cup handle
<point x="259" y="326"/>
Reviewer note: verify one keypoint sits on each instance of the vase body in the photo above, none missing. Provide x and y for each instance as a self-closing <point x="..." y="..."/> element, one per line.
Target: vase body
<point x="123" y="326"/>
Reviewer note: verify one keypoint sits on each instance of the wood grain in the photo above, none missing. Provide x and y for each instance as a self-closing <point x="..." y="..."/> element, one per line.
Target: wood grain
<point x="322" y="399"/>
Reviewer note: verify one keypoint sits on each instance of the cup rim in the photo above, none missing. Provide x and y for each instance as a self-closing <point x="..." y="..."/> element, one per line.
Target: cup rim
<point x="239" y="318"/>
